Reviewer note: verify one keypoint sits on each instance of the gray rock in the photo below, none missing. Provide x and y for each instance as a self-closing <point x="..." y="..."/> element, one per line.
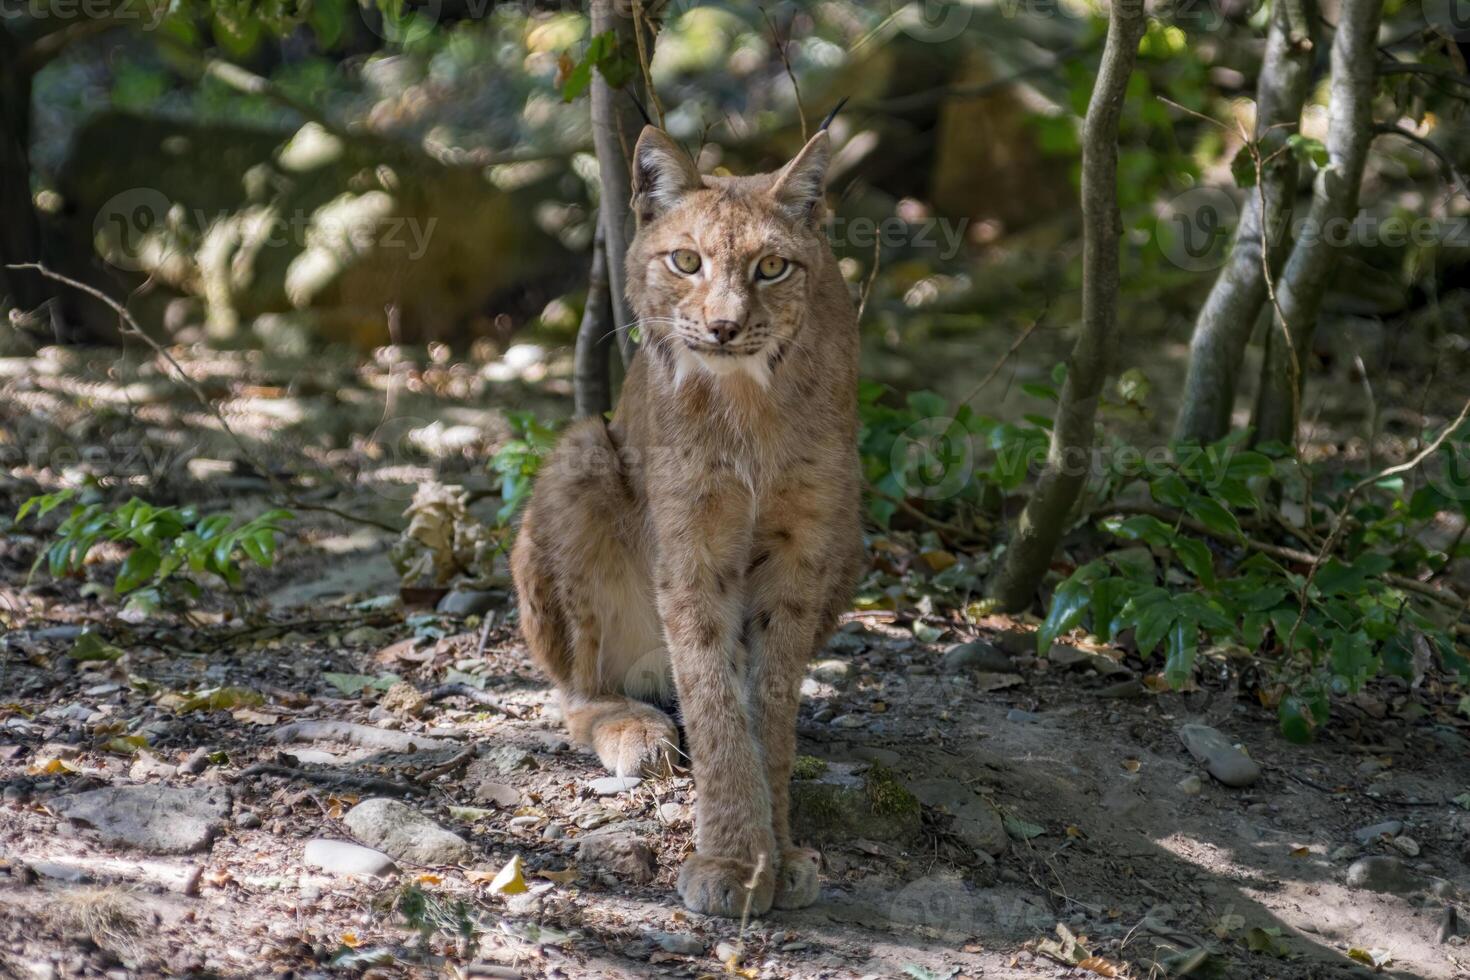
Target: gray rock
<point x="681" y="943"/>
<point x="620" y="854"/>
<point x="1190" y="785"/>
<point x="468" y="602"/>
<point x="845" y="642"/>
<point x="1222" y="760"/>
<point x="156" y="819"/>
<point x="975" y="821"/>
<point x="1381" y="873"/>
<point x="978" y="655"/>
<point x="248" y="820"/>
<point x="1406" y="845"/>
<point x="1024" y="717"/>
<point x="613" y="785"/>
<point x="345" y="858"/>
<point x="834" y="672"/>
<point x="405" y="833"/>
<point x="1064" y="655"/>
<point x="197" y="762"/>
<point x="843" y="803"/>
<point x="1367" y="835"/>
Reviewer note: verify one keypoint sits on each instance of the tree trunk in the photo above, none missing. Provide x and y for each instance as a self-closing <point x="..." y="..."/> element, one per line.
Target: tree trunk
<point x="1334" y="205"/>
<point x="1041" y="524"/>
<point x="615" y="128"/>
<point x="1230" y="312"/>
<point x="592" y="382"/>
<point x="20" y="230"/>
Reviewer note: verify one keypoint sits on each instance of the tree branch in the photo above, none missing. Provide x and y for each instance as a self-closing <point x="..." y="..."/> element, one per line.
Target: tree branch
<point x="1040" y="526"/>
<point x="1453" y="172"/>
<point x="1334" y="200"/>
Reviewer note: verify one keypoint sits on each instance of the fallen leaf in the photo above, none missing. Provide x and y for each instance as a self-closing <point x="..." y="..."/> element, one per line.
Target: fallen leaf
<point x="1100" y="966"/>
<point x="350" y="940"/>
<point x="510" y="881"/>
<point x="563" y="877"/>
<point x="89" y="646"/>
<point x="1301" y="852"/>
<point x="1132" y="765"/>
<point x="221" y="699"/>
<point x="249" y="716"/>
<point x="429" y="878"/>
<point x="1376" y="958"/>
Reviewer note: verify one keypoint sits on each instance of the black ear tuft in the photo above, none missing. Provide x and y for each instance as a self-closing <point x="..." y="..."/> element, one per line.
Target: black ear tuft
<point x="832" y="115"/>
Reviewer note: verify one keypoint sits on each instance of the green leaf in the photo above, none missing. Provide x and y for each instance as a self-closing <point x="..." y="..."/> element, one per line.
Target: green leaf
<point x="137" y="569"/>
<point x="1215" y="517"/>
<point x="90" y="647"/>
<point x="1308" y="150"/>
<point x="1141" y="527"/>
<point x="1243" y="168"/>
<point x="1182" y="641"/>
<point x="1067" y="606"/>
<point x="1195" y="555"/>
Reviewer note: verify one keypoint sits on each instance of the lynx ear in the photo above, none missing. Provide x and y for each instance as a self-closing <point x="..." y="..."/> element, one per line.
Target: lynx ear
<point x="799" y="186"/>
<point x="662" y="173"/>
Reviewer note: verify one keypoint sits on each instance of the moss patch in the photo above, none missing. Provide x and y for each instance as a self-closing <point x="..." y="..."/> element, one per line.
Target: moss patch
<point x="808" y="767"/>
<point x="887" y="796"/>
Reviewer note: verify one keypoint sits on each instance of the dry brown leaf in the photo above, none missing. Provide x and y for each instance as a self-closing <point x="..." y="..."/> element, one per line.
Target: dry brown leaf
<point x="1100" y="966"/>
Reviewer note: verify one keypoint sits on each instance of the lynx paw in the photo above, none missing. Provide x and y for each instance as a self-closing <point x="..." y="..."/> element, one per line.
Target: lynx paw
<point x="638" y="744"/>
<point x="718" y="886"/>
<point x="797" y="880"/>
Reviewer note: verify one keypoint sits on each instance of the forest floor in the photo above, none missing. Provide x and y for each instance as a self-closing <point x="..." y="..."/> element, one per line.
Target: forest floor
<point x="162" y="807"/>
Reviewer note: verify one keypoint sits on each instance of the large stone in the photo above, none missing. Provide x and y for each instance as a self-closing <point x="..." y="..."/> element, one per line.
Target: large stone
<point x="1220" y="758"/>
<point x="622" y="855"/>
<point x="977" y="655"/>
<point x="157" y="819"/>
<point x="1389" y="828"/>
<point x="346" y="858"/>
<point x="1381" y="873"/>
<point x="975" y="821"/>
<point x="470" y="602"/>
<point x="842" y="803"/>
<point x="405" y="833"/>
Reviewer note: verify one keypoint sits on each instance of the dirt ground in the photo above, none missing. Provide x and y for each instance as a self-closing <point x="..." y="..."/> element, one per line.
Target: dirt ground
<point x="1117" y="854"/>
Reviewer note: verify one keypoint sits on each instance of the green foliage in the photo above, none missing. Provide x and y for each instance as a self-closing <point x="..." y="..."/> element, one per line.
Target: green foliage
<point x="517" y="462"/>
<point x="604" y="54"/>
<point x="927" y="448"/>
<point x="1325" y="635"/>
<point x="166" y="544"/>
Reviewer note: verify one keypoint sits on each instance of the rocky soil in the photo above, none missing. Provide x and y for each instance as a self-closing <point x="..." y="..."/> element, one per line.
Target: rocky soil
<point x="346" y="781"/>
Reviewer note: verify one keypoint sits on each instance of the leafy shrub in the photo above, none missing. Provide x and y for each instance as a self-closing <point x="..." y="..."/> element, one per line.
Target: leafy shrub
<point x="518" y="461"/>
<point x="167" y="544"/>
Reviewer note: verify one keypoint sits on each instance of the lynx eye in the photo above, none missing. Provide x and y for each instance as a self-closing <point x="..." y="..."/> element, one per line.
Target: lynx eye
<point x="771" y="267"/>
<point x="684" y="260"/>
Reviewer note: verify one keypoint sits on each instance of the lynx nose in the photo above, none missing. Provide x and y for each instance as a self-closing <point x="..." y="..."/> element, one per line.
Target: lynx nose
<point x="723" y="331"/>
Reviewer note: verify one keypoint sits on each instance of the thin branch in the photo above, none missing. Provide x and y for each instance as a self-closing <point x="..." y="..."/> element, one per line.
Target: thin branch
<point x="130" y="326"/>
<point x="1015" y="346"/>
<point x="644" y="62"/>
<point x="1406" y="68"/>
<point x="785" y="60"/>
<point x="1389" y="129"/>
<point x="921" y="100"/>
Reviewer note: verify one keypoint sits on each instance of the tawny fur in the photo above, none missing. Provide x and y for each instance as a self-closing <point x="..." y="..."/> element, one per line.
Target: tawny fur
<point x="709" y="534"/>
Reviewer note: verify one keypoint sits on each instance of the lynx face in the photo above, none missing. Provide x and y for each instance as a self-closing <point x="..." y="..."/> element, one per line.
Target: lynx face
<point x="719" y="271"/>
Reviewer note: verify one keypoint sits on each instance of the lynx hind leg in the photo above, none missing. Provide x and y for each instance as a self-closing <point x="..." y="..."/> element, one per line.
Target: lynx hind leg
<point x="578" y="589"/>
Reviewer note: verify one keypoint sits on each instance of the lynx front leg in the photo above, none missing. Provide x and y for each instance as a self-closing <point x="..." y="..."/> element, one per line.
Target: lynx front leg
<point x="703" y="542"/>
<point x="798" y="582"/>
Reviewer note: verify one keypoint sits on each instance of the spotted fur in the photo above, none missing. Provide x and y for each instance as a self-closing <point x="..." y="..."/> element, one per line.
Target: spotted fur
<point x="704" y="542"/>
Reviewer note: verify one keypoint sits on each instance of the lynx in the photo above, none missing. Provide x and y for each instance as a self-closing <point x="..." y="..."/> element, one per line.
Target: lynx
<point x="704" y="542"/>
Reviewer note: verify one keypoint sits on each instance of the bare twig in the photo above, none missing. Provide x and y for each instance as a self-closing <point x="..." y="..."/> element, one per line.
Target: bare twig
<point x="130" y="326"/>
<point x="786" y="61"/>
<point x="1015" y="346"/>
<point x="1389" y="129"/>
<point x="872" y="278"/>
<point x="367" y="784"/>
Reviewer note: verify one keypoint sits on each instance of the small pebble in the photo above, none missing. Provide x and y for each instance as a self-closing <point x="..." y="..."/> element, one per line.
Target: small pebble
<point x="1190" y="785"/>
